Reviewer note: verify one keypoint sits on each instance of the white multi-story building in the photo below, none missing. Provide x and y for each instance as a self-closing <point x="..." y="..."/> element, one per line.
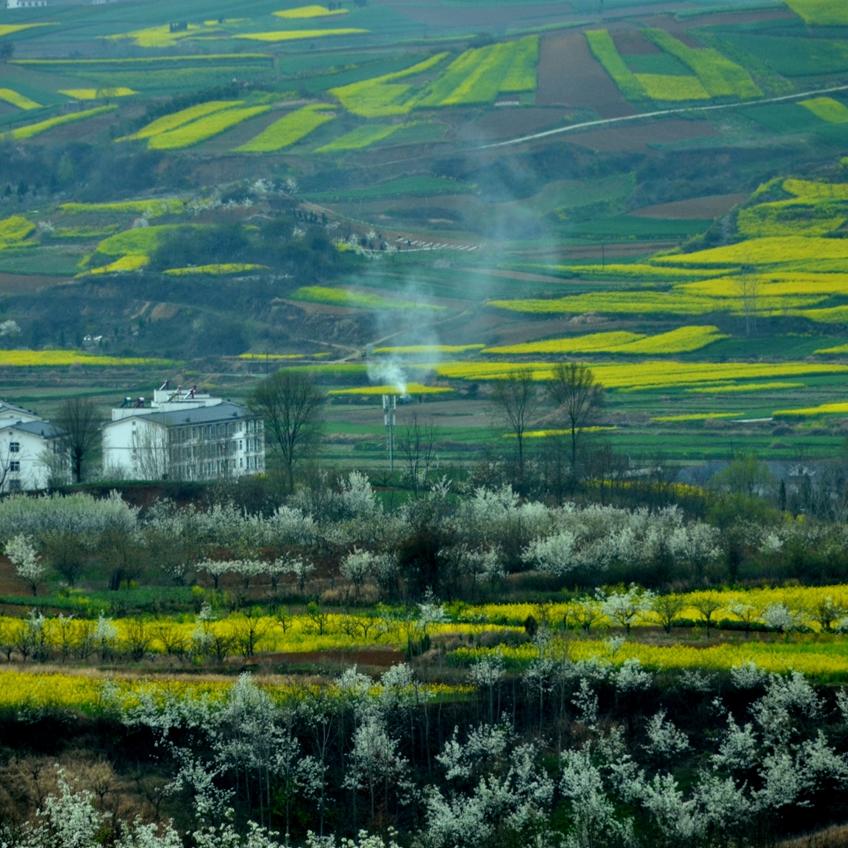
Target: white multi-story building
<point x="32" y="451"/>
<point x="182" y="435"/>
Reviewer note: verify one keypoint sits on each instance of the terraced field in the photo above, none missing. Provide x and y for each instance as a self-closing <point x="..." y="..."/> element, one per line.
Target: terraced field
<point x="713" y="75"/>
<point x="289" y="130"/>
<point x="821" y="12"/>
<point x="625" y="244"/>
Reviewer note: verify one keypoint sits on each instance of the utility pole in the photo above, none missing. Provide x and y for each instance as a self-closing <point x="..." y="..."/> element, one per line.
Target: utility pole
<point x="390" y="421"/>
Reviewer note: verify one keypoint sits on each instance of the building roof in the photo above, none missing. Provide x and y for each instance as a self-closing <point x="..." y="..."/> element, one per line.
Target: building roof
<point x="225" y="411"/>
<point x="38" y="428"/>
<point x="6" y="407"/>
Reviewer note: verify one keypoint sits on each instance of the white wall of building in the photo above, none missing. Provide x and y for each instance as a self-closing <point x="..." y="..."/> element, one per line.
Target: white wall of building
<point x="135" y="449"/>
<point x="24" y="460"/>
<point x="140" y="448"/>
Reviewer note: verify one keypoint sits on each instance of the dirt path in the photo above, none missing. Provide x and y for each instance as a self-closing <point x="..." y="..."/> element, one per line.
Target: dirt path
<point x="458" y="316"/>
<point x="661" y="113"/>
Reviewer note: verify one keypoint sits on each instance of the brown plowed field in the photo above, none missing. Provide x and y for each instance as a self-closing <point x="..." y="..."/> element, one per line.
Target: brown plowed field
<point x="631" y="42"/>
<point x="569" y="75"/>
<point x="635" y="136"/>
<point x="709" y="206"/>
<point x="501" y="123"/>
<point x="27" y="283"/>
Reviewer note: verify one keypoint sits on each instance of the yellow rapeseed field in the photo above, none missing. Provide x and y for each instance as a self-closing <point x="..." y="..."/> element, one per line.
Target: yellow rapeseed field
<point x="671" y="87"/>
<point x="811" y="191"/>
<point x="836" y="408"/>
<point x="93" y="693"/>
<point x="11" y="29"/>
<point x="821" y="12"/>
<point x="803" y="599"/>
<point x="164" y="36"/>
<point x="310" y="11"/>
<point x="289" y="129"/>
<point x="15" y="230"/>
<point x="763" y="251"/>
<point x="62" y="358"/>
<point x="770" y="286"/>
<point x="826" y="662"/>
<point x="680" y="340"/>
<point x="836" y="349"/>
<point x="15" y="98"/>
<point x="219" y="270"/>
<point x="411" y="389"/>
<point x="650" y="374"/>
<point x="355" y="299"/>
<point x="130" y="262"/>
<point x="31" y="130"/>
<point x="150" y="208"/>
<point x="167" y="123"/>
<point x="384" y="95"/>
<point x="97" y="93"/>
<point x="204" y="128"/>
<point x="362" y="137"/>
<point x="300" y="34"/>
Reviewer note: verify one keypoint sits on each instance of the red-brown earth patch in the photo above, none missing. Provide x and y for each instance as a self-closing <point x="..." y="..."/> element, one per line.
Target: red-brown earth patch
<point x="709" y="206"/>
<point x="569" y="75"/>
<point x="636" y="136"/>
<point x="27" y="283"/>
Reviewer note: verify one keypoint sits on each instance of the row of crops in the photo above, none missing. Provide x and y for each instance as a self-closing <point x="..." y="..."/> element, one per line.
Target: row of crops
<point x="707" y="73"/>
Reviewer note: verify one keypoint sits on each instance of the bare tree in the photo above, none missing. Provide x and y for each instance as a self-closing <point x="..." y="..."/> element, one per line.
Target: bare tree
<point x="417" y="447"/>
<point x="578" y="397"/>
<point x="55" y="462"/>
<point x="516" y="400"/>
<point x="150" y="448"/>
<point x="290" y="403"/>
<point x="80" y="425"/>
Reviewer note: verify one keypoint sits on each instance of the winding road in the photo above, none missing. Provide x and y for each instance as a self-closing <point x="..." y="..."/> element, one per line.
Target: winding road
<point x="683" y="110"/>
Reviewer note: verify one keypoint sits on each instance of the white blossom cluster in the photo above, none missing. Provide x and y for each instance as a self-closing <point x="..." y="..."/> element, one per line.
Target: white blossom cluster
<point x="482" y="535"/>
<point x="490" y="786"/>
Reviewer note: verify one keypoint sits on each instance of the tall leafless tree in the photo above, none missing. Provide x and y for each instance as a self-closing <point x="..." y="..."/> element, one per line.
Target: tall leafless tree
<point x="417" y="447"/>
<point x="150" y="446"/>
<point x="290" y="403"/>
<point x="79" y="422"/>
<point x="578" y="396"/>
<point x="516" y="400"/>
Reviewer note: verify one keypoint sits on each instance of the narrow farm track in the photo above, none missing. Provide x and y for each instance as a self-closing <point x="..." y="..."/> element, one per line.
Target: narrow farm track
<point x="661" y="113"/>
<point x="381" y="341"/>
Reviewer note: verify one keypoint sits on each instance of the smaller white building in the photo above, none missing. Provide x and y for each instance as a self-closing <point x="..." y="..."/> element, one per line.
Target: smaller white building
<point x="182" y="434"/>
<point x="32" y="454"/>
<point x="25" y="4"/>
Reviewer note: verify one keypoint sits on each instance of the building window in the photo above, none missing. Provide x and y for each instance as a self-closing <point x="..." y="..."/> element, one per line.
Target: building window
<point x="14" y="485"/>
<point x="14" y="447"/>
<point x="14" y="465"/>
